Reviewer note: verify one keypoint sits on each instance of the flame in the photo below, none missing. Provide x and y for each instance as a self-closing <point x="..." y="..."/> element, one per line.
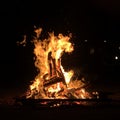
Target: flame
<point x="67" y="75"/>
<point x="35" y="85"/>
<point x="54" y="45"/>
<point x="56" y="89"/>
<point x="52" y="80"/>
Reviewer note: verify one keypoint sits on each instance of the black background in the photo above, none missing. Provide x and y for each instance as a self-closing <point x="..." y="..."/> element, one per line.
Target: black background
<point x="90" y="20"/>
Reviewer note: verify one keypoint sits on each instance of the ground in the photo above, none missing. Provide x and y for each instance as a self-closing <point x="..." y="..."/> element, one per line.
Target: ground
<point x="99" y="112"/>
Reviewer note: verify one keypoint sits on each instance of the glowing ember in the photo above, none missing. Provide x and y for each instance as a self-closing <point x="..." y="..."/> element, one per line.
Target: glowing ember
<point x="53" y="82"/>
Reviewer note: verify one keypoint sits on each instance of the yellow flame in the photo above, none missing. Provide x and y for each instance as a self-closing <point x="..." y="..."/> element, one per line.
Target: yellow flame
<point x="67" y="75"/>
<point x="83" y="93"/>
<point x="54" y="44"/>
<point x="56" y="88"/>
<point x="35" y="85"/>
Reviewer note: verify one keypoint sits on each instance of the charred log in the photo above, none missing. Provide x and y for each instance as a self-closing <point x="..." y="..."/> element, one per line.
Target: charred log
<point x="62" y="89"/>
<point x="52" y="81"/>
<point x="70" y="96"/>
<point x="52" y="65"/>
<point x="84" y="86"/>
<point x="79" y="88"/>
<point x="45" y="76"/>
<point x="62" y="76"/>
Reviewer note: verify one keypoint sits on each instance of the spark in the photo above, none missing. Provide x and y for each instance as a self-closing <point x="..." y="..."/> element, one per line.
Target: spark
<point x="119" y="47"/>
<point x="105" y="41"/>
<point x="116" y="57"/>
<point x="86" y="40"/>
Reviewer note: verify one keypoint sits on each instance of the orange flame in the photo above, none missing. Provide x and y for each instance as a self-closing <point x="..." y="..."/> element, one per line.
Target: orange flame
<point x="48" y="54"/>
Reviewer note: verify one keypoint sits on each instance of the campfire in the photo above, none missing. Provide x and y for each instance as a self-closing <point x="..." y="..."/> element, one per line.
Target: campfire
<point x="52" y="81"/>
<point x="53" y="85"/>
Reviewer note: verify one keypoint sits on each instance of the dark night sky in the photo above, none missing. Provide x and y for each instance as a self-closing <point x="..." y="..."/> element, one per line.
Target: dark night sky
<point x="90" y="20"/>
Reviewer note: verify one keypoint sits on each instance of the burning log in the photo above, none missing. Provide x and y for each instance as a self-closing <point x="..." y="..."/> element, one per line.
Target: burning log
<point x="62" y="89"/>
<point x="52" y="65"/>
<point x="73" y="90"/>
<point x="62" y="76"/>
<point x="84" y="86"/>
<point x="70" y="96"/>
<point x="52" y="81"/>
<point x="75" y="93"/>
<point x="55" y="70"/>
